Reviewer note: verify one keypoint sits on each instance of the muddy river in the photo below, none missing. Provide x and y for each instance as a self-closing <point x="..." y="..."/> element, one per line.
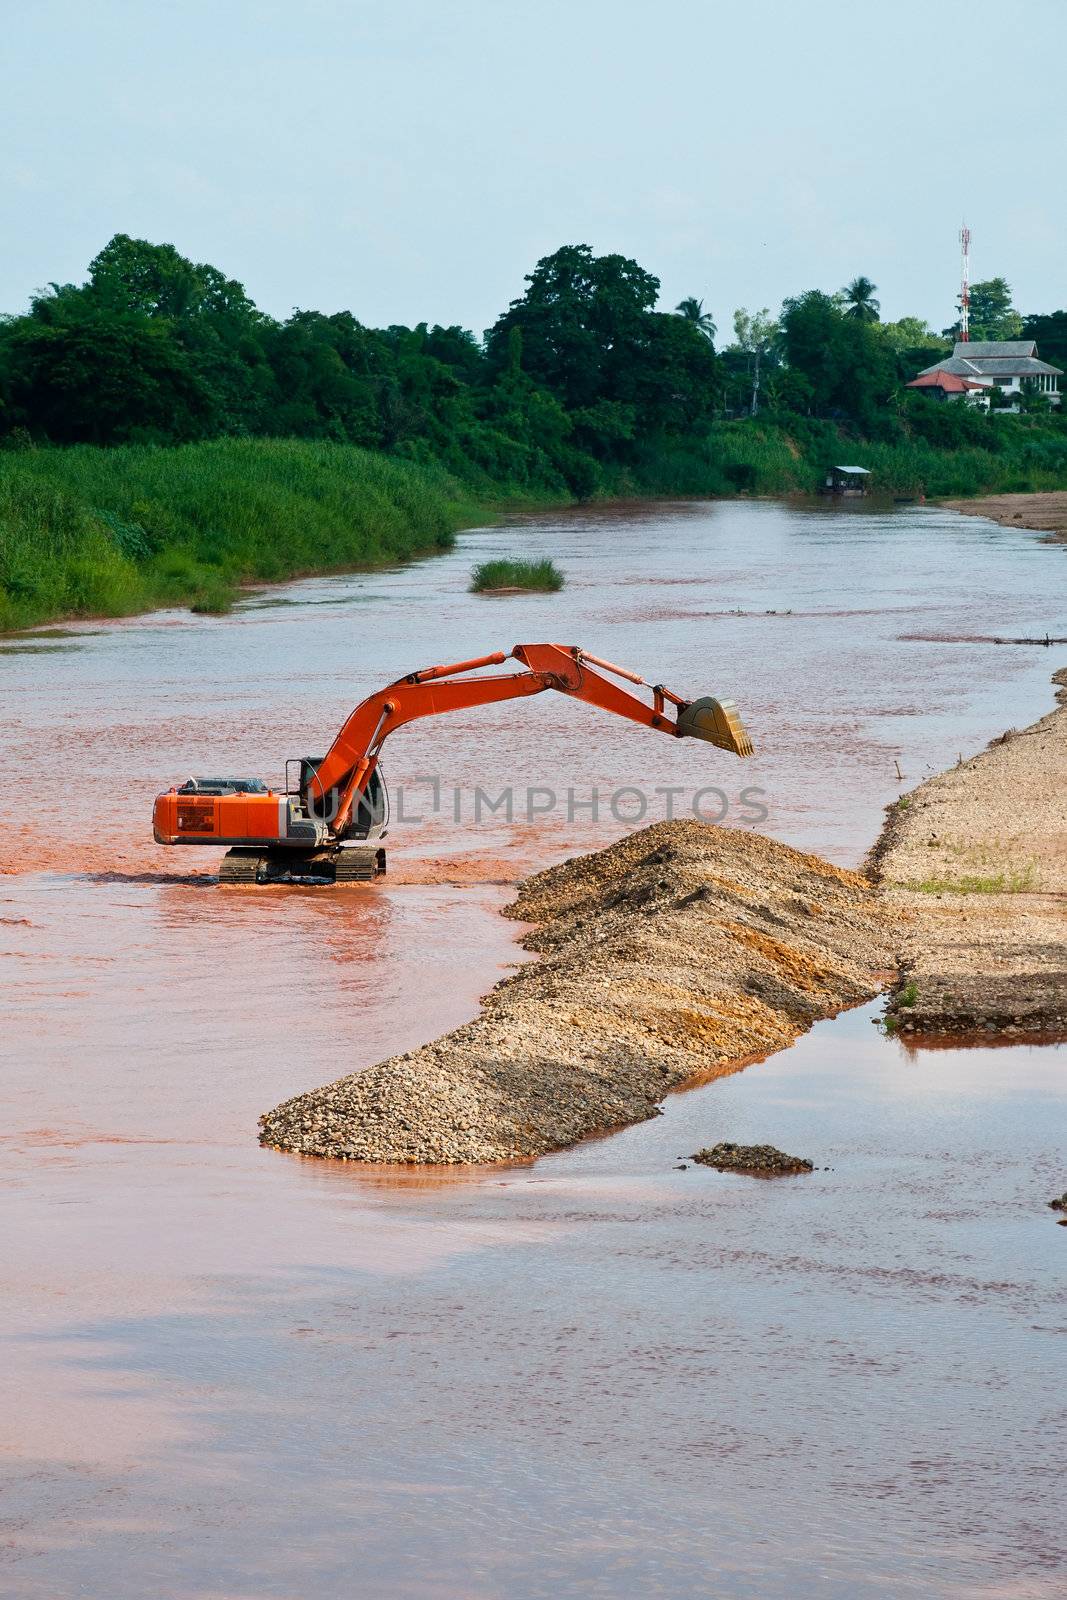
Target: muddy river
<point x="229" y="1374"/>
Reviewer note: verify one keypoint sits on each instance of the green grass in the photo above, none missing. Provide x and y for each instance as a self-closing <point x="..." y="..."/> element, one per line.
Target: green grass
<point x="994" y="883"/>
<point x="107" y="532"/>
<point x="544" y="576"/>
<point x="780" y="455"/>
<point x="983" y="869"/>
<point x="92" y="532"/>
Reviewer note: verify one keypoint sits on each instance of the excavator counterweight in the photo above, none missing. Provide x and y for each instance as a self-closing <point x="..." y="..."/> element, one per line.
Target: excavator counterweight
<point x="326" y="825"/>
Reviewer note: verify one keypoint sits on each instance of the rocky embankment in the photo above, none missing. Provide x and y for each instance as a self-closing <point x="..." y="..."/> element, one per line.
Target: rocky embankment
<point x="681" y="951"/>
<point x="974" y="864"/>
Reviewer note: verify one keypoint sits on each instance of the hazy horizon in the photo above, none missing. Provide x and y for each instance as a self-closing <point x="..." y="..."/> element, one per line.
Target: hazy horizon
<point x="414" y="166"/>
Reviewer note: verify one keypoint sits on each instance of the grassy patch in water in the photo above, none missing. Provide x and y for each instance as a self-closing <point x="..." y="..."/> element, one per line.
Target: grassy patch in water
<point x="541" y="576"/>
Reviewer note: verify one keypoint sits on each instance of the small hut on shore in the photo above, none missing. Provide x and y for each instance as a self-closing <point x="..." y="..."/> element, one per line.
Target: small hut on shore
<point x="847" y="481"/>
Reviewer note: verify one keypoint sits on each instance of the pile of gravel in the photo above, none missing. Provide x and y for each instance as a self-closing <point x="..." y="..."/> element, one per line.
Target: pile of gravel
<point x="684" y="949"/>
<point x="758" y="1158"/>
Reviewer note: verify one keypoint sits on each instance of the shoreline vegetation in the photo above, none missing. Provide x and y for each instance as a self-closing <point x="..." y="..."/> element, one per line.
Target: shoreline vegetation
<point x="93" y="532"/>
<point x="162" y="440"/>
<point x="963" y="899"/>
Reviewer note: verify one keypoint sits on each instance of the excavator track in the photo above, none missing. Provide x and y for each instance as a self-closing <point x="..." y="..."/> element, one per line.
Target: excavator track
<point x="359" y="864"/>
<point x="241" y="866"/>
<point x="349" y="864"/>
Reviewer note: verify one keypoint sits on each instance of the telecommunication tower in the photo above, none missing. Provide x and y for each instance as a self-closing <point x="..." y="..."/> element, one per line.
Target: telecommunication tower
<point x="965" y="293"/>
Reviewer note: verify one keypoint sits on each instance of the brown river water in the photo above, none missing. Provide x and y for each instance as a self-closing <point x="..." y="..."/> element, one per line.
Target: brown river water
<point x="228" y="1374"/>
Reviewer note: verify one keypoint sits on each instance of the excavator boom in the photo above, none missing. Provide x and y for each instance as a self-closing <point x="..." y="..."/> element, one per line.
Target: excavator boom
<point x="340" y="797"/>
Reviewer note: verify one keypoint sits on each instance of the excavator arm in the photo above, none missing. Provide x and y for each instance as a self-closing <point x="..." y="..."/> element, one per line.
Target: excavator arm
<point x="352" y="757"/>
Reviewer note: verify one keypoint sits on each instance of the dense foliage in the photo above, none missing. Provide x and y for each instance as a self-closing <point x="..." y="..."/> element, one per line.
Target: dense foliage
<point x="580" y="387"/>
<point x="1051" y="334"/>
<point x="992" y="315"/>
<point x="154" y="348"/>
<point x="89" y="532"/>
<point x="579" y="380"/>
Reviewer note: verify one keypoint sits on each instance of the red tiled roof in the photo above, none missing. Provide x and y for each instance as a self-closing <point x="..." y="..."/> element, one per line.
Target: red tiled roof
<point x="947" y="381"/>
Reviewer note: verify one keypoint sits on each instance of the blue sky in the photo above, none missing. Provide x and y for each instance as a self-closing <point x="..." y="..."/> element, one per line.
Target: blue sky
<point x="409" y="160"/>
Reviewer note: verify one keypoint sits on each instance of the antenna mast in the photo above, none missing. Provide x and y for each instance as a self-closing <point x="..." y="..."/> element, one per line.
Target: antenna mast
<point x="965" y="294"/>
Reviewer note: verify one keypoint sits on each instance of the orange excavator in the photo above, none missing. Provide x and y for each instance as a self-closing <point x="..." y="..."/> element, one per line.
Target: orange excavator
<point x="328" y="821"/>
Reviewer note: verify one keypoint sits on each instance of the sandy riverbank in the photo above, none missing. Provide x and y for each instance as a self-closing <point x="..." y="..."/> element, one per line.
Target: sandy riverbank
<point x="1045" y="512"/>
<point x="974" y="862"/>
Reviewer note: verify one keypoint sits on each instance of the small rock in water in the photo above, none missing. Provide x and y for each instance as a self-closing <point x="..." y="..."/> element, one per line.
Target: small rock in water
<point x="728" y="1157"/>
<point x="1060" y="1203"/>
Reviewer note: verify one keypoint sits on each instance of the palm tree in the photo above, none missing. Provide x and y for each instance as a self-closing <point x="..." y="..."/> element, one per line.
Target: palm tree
<point x="693" y="311"/>
<point x="859" y="300"/>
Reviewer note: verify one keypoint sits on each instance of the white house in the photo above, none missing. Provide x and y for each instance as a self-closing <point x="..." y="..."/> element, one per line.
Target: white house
<point x="1006" y="363"/>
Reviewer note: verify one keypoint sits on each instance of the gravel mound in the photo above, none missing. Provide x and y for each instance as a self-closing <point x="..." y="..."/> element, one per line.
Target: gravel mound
<point x="760" y="1158"/>
<point x="682" y="951"/>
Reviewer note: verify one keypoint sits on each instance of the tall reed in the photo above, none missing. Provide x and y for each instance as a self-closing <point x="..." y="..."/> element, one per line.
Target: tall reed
<point x="85" y="531"/>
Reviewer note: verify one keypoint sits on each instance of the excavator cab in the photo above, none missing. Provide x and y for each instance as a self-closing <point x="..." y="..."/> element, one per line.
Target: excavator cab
<point x="370" y="812"/>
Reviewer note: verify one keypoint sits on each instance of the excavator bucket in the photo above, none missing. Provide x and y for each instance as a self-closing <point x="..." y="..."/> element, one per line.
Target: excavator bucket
<point x="717" y="721"/>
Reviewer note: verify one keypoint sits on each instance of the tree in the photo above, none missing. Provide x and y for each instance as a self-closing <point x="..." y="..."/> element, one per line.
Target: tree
<point x="672" y="377"/>
<point x="201" y="312"/>
<point x="1050" y="331"/>
<point x="107" y="381"/>
<point x="456" y="348"/>
<point x="813" y="343"/>
<point x="859" y="301"/>
<point x="851" y="370"/>
<point x="954" y="426"/>
<point x="755" y="335"/>
<point x="992" y="314"/>
<point x="582" y="319"/>
<point x="693" y="311"/>
<point x="914" y="345"/>
<point x="328" y="379"/>
<point x="912" y="334"/>
<point x="1032" y="399"/>
<point x="157" y="281"/>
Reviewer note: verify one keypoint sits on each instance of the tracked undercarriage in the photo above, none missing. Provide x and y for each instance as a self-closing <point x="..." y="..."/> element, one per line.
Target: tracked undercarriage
<point x="352" y="863"/>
